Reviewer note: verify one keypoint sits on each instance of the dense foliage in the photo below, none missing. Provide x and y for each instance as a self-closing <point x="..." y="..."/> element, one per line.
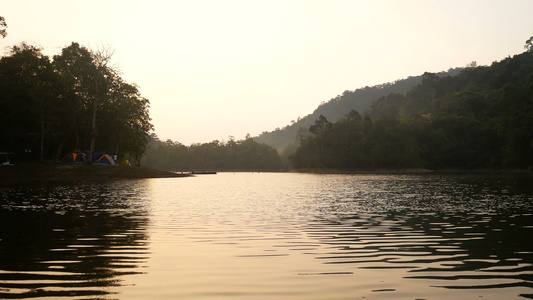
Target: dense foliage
<point x="76" y="100"/>
<point x="245" y="155"/>
<point x="481" y="118"/>
<point x="336" y="108"/>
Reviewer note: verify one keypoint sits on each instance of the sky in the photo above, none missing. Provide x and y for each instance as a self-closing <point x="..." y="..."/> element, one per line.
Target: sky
<point x="215" y="69"/>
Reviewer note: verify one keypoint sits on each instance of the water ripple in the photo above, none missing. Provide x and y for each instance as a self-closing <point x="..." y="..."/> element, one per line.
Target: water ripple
<point x="261" y="236"/>
<point x="69" y="241"/>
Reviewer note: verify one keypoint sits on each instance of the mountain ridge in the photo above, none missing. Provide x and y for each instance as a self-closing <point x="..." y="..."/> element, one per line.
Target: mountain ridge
<point x="336" y="108"/>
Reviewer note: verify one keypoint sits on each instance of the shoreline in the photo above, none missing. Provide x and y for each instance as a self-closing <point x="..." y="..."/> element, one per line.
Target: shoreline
<point x="53" y="171"/>
<point x="412" y="171"/>
<point x="362" y="171"/>
<point x="50" y="171"/>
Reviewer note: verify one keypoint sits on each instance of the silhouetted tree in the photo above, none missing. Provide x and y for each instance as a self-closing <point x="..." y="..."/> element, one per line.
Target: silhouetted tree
<point x="47" y="106"/>
<point x="529" y="44"/>
<point x="235" y="155"/>
<point x="3" y="27"/>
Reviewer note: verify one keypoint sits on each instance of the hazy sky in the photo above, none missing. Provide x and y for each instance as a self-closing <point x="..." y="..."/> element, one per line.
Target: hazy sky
<point x="217" y="68"/>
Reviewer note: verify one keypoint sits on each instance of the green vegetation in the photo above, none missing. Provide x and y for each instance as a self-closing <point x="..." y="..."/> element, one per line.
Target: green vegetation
<point x="481" y="118"/>
<point x="75" y="100"/>
<point x="478" y="117"/>
<point x="245" y="155"/>
<point x="283" y="139"/>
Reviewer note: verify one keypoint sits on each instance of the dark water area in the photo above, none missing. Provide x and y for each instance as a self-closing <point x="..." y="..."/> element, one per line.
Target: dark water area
<point x="270" y="235"/>
<point x="61" y="240"/>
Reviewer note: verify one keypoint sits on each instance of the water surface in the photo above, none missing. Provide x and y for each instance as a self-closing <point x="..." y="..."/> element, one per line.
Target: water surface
<point x="269" y="235"/>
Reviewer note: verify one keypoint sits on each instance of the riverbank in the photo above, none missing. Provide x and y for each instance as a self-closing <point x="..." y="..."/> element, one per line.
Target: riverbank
<point x="361" y="171"/>
<point x="63" y="171"/>
<point x="413" y="171"/>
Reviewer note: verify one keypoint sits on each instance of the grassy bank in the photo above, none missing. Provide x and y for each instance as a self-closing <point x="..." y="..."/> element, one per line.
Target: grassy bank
<point x="59" y="171"/>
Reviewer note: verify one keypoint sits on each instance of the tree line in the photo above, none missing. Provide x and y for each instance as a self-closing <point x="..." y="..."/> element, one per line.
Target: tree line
<point x="481" y="118"/>
<point x="77" y="99"/>
<point x="240" y="155"/>
<point x="336" y="108"/>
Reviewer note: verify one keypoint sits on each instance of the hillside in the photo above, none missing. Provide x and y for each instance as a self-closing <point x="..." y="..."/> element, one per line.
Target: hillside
<point x="481" y="118"/>
<point x="336" y="108"/>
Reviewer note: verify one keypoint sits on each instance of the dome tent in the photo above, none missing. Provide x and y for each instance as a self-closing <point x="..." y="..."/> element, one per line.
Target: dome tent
<point x="75" y="157"/>
<point x="105" y="160"/>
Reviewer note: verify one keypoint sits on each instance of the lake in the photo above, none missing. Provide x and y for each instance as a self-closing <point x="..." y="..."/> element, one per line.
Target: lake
<point x="269" y="236"/>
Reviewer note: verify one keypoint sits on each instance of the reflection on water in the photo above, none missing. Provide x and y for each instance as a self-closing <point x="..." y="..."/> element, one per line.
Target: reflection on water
<point x="264" y="236"/>
<point x="463" y="233"/>
<point x="70" y="240"/>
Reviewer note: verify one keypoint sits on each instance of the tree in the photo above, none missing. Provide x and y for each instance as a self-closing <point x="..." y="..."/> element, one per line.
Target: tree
<point x="320" y="125"/>
<point x="29" y="94"/>
<point x="91" y="76"/>
<point x="47" y="106"/>
<point x="529" y="44"/>
<point x="242" y="155"/>
<point x="472" y="64"/>
<point x="103" y="79"/>
<point x="3" y="26"/>
<point x="319" y="128"/>
<point x="126" y="120"/>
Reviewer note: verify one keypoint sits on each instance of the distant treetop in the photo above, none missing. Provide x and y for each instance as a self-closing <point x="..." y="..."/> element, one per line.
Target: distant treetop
<point x="529" y="44"/>
<point x="3" y="26"/>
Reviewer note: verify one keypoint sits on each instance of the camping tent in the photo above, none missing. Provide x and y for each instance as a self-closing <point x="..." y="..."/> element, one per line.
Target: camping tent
<point x="75" y="157"/>
<point x="105" y="160"/>
<point x="97" y="156"/>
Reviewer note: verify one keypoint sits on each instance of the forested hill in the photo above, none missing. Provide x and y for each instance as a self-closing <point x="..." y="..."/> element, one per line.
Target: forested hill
<point x="336" y="108"/>
<point x="481" y="118"/>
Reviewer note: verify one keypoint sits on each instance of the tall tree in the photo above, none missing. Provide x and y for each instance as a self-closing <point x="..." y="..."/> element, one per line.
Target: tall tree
<point x="91" y="76"/>
<point x="75" y="66"/>
<point x="318" y="128"/>
<point x="126" y="120"/>
<point x="103" y="80"/>
<point x="29" y="81"/>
